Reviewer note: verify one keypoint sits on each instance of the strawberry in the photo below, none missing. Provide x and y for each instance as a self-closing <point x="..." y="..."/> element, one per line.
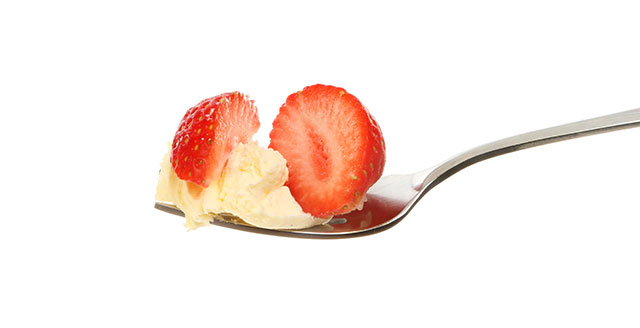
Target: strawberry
<point x="208" y="133"/>
<point x="333" y="147"/>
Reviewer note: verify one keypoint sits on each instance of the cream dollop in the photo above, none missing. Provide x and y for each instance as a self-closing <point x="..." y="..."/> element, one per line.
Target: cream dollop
<point x="251" y="187"/>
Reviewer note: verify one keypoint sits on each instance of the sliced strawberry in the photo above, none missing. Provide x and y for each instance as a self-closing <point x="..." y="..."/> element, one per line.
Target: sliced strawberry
<point x="208" y="133"/>
<point x="333" y="147"/>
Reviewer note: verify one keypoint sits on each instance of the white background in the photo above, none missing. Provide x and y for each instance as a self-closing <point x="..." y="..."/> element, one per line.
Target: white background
<point x="90" y="95"/>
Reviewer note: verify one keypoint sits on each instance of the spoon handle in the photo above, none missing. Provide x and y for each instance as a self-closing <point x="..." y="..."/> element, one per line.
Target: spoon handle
<point x="597" y="125"/>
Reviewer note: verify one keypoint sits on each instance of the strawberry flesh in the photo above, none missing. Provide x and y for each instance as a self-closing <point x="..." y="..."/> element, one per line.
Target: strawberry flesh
<point x="333" y="147"/>
<point x="208" y="133"/>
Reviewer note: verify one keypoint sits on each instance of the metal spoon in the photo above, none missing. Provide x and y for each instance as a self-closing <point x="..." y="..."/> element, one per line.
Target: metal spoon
<point x="393" y="196"/>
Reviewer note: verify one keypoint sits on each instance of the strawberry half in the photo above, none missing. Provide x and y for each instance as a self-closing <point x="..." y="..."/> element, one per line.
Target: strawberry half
<point x="208" y="133"/>
<point x="333" y="147"/>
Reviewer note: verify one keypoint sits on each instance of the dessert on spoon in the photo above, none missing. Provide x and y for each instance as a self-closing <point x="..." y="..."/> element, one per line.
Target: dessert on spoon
<point x="326" y="151"/>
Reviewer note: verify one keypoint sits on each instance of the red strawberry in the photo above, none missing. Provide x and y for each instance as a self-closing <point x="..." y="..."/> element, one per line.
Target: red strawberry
<point x="208" y="133"/>
<point x="333" y="147"/>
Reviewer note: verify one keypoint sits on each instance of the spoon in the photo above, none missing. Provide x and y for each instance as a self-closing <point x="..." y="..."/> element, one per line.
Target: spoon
<point x="391" y="198"/>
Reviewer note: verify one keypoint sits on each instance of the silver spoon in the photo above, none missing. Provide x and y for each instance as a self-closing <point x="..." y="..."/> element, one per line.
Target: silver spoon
<point x="393" y="196"/>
